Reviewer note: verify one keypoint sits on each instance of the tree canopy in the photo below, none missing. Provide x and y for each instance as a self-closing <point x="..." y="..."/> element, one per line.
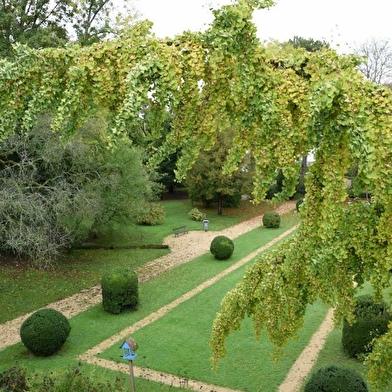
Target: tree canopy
<point x="46" y="23"/>
<point x="377" y="60"/>
<point x="280" y="104"/>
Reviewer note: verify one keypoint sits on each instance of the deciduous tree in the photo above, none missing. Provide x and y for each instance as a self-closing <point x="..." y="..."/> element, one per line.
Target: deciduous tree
<point x="54" y="193"/>
<point x="207" y="183"/>
<point x="377" y="60"/>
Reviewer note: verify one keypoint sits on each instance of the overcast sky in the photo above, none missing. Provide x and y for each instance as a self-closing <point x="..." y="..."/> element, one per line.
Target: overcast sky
<point x="343" y="23"/>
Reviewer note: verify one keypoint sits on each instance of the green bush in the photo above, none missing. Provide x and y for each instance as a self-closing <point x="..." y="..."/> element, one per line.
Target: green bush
<point x="298" y="204"/>
<point x="271" y="219"/>
<point x="196" y="215"/>
<point x="335" y="379"/>
<point x="45" y="331"/>
<point x="74" y="380"/>
<point x="222" y="247"/>
<point x="120" y="290"/>
<point x="14" y="379"/>
<point x="17" y="379"/>
<point x="300" y="189"/>
<point x="154" y="215"/>
<point x="232" y="201"/>
<point x="371" y="321"/>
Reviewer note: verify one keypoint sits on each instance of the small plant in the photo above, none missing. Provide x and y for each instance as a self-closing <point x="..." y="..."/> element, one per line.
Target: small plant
<point x="14" y="379"/>
<point x="196" y="215"/>
<point x="335" y="379"/>
<point x="271" y="219"/>
<point x="222" y="247"/>
<point x="120" y="290"/>
<point x="154" y="215"/>
<point x="298" y="204"/>
<point x="371" y="321"/>
<point x="44" y="332"/>
<point x="77" y="381"/>
<point x="17" y="379"/>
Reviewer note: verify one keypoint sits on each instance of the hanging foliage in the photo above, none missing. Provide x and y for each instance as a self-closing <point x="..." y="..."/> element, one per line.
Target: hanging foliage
<point x="280" y="104"/>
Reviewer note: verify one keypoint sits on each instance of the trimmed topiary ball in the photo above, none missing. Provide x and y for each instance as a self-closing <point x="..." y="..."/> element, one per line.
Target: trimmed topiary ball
<point x="371" y="321"/>
<point x="120" y="290"/>
<point x="222" y="247"/>
<point x="44" y="332"/>
<point x="335" y="379"/>
<point x="271" y="219"/>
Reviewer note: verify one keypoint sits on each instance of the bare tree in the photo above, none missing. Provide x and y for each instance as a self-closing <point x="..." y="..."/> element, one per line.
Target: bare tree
<point x="377" y="64"/>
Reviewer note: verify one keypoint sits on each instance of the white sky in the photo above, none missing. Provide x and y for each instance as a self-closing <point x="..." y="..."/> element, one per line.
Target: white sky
<point x="343" y="23"/>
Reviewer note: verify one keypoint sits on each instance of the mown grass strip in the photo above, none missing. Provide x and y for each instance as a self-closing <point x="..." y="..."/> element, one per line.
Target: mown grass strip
<point x="178" y="343"/>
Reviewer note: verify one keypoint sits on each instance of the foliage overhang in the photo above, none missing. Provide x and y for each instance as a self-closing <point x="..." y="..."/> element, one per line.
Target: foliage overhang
<point x="281" y="104"/>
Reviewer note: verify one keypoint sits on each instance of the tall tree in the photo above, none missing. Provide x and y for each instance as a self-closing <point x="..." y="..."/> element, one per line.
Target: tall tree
<point x="54" y="193"/>
<point x="377" y="60"/>
<point x="47" y="23"/>
<point x="206" y="181"/>
<point x="95" y="20"/>
<point x="39" y="23"/>
<point x="310" y="44"/>
<point x="280" y="105"/>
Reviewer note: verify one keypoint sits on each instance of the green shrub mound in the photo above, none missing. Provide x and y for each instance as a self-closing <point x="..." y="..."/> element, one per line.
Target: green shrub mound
<point x="222" y="247"/>
<point x="196" y="215"/>
<point x="335" y="379"/>
<point x="120" y="290"/>
<point x="371" y="321"/>
<point x="271" y="219"/>
<point x="153" y="215"/>
<point x="44" y="332"/>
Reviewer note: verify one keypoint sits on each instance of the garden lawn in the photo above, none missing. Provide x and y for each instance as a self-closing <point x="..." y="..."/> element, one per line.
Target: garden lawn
<point x="178" y="343"/>
<point x="23" y="289"/>
<point x="94" y="325"/>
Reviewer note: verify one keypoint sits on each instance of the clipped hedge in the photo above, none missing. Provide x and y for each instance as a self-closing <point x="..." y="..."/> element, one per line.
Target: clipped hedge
<point x="222" y="247"/>
<point x="271" y="220"/>
<point x="120" y="290"/>
<point x="371" y="321"/>
<point x="335" y="379"/>
<point x="45" y="332"/>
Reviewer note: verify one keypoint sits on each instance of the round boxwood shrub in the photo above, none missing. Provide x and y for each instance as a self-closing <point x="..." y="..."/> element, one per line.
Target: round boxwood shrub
<point x="371" y="321"/>
<point x="335" y="379"/>
<point x="44" y="332"/>
<point x="271" y="219"/>
<point x="222" y="247"/>
<point x="120" y="290"/>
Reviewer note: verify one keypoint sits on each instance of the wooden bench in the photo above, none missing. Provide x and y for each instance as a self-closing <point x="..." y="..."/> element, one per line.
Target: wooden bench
<point x="180" y="230"/>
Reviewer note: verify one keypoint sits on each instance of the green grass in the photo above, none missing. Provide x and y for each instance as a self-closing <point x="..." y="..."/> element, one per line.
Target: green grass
<point x="178" y="343"/>
<point x="94" y="325"/>
<point x="23" y="290"/>
<point x="333" y="354"/>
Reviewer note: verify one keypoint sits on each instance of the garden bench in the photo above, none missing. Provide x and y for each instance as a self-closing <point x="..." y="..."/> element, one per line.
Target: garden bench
<point x="180" y="230"/>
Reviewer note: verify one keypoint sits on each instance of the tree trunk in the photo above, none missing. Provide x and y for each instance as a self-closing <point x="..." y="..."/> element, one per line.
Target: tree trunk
<point x="220" y="204"/>
<point x="304" y="166"/>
